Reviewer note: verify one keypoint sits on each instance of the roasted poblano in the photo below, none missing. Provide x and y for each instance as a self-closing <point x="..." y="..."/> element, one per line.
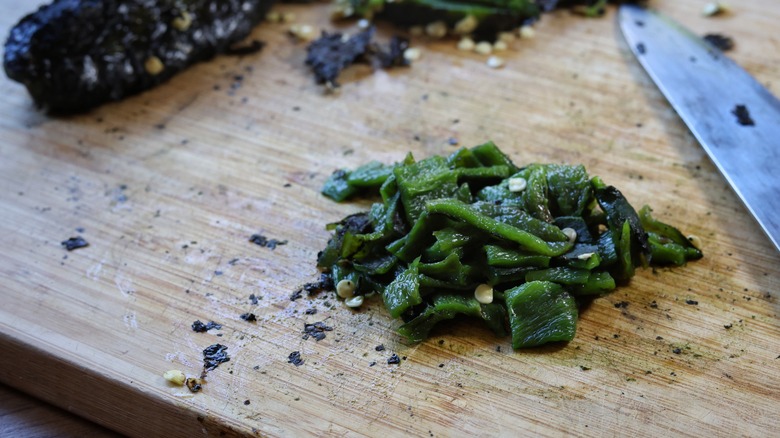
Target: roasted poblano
<point x="449" y="228"/>
<point x="73" y="55"/>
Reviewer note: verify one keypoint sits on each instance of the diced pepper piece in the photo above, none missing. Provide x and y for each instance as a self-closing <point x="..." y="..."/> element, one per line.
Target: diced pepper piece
<point x="560" y="275"/>
<point x="422" y="181"/>
<point x="464" y="212"/>
<point x="489" y="155"/>
<point x="447" y="240"/>
<point x="666" y="252"/>
<point x="403" y="292"/>
<point x="540" y="312"/>
<point x="517" y="217"/>
<point x="501" y="257"/>
<point x="370" y="175"/>
<point x="496" y="173"/>
<point x="463" y="158"/>
<point x="598" y="283"/>
<point x="667" y="243"/>
<point x="618" y="212"/>
<point x="448" y="307"/>
<point x="569" y="189"/>
<point x="536" y="195"/>
<point x="337" y="187"/>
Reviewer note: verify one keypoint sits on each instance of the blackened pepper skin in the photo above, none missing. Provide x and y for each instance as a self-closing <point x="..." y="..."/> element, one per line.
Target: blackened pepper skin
<point x="73" y="55"/>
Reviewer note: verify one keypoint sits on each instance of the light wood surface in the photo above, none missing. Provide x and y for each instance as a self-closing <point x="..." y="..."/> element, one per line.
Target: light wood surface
<point x="169" y="185"/>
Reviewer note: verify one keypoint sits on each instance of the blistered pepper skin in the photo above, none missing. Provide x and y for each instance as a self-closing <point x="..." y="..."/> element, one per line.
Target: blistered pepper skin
<point x="73" y="55"/>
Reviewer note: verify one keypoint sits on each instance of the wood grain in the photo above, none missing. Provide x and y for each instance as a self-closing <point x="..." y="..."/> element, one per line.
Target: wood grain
<point x="23" y="416"/>
<point x="167" y="187"/>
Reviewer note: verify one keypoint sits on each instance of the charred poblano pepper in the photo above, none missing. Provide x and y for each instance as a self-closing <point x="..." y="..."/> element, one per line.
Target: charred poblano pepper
<point x="472" y="234"/>
<point x="73" y="55"/>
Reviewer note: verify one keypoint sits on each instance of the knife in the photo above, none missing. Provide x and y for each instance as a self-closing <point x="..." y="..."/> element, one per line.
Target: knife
<point x="734" y="118"/>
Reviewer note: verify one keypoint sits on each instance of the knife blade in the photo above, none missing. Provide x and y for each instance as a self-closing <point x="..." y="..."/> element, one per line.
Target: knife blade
<point x="734" y="118"/>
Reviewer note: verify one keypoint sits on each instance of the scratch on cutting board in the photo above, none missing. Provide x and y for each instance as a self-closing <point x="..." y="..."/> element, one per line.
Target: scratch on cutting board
<point x="181" y="358"/>
<point x="130" y="320"/>
<point x="93" y="272"/>
<point x="497" y="415"/>
<point x="124" y="284"/>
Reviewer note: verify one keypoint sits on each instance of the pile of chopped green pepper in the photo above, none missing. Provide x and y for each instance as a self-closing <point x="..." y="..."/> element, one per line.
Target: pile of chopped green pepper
<point x="473" y="234"/>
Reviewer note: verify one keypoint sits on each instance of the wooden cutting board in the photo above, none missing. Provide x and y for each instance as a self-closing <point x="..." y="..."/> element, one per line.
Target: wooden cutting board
<point x="168" y="186"/>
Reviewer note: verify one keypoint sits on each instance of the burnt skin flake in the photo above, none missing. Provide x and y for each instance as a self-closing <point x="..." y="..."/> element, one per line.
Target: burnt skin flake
<point x="743" y="115"/>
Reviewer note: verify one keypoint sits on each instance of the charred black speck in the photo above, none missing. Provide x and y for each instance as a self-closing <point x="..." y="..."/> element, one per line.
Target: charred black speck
<point x="260" y="240"/>
<point x="325" y="283"/>
<point x="394" y="360"/>
<point x="295" y="358"/>
<point x="722" y="42"/>
<point x="74" y="243"/>
<point x="316" y="330"/>
<point x="199" y="327"/>
<point x="213" y="355"/>
<point x="249" y="317"/>
<point x="743" y="115"/>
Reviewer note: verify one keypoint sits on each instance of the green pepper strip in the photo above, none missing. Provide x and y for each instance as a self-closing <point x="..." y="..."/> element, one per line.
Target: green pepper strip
<point x="370" y="175"/>
<point x="463" y="158"/>
<point x="598" y="283"/>
<point x="447" y="240"/>
<point x="429" y="285"/>
<point x="458" y="210"/>
<point x="678" y="251"/>
<point x="337" y="187"/>
<point x="492" y="172"/>
<point x="624" y="252"/>
<point x="536" y="196"/>
<point x="450" y="269"/>
<point x="501" y="257"/>
<point x="448" y="307"/>
<point x="490" y="155"/>
<point x="517" y="217"/>
<point x="569" y="189"/>
<point x="404" y="291"/>
<point x="561" y="275"/>
<point x="420" y="237"/>
<point x="663" y="251"/>
<point x="377" y="266"/>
